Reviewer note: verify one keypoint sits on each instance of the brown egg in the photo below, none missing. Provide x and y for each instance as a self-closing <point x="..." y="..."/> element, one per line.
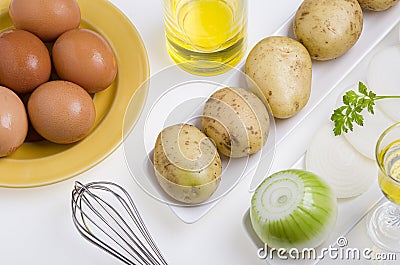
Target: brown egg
<point x="82" y="56"/>
<point x="62" y="112"/>
<point x="24" y="61"/>
<point x="46" y="19"/>
<point x="13" y="122"/>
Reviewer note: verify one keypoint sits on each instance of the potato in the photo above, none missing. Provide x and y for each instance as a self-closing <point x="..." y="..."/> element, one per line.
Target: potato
<point x="281" y="67"/>
<point x="377" y="5"/>
<point x="237" y="121"/>
<point x="327" y="28"/>
<point x="187" y="164"/>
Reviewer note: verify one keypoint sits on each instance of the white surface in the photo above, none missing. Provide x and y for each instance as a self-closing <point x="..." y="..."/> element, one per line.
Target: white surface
<point x="36" y="226"/>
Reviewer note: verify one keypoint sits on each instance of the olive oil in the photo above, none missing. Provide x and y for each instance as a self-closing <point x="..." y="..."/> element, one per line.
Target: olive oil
<point x="389" y="178"/>
<point x="206" y="37"/>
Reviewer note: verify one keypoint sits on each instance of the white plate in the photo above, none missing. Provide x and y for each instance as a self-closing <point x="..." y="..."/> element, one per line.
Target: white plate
<point x="176" y="97"/>
<point x="380" y="31"/>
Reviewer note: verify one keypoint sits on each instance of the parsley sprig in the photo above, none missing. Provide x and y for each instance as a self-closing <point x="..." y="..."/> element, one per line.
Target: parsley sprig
<point x="354" y="102"/>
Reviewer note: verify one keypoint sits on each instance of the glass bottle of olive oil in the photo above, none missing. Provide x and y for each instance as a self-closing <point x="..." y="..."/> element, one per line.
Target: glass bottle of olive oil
<point x="206" y="37"/>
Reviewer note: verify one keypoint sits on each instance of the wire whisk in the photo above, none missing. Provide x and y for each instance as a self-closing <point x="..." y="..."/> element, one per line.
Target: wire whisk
<point x="105" y="214"/>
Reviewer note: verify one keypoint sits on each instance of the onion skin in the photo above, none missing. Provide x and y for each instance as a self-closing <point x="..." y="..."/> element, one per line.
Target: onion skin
<point x="293" y="209"/>
<point x="339" y="159"/>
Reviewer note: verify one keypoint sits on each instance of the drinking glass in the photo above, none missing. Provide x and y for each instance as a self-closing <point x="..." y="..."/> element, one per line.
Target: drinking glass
<point x="205" y="37"/>
<point x="384" y="221"/>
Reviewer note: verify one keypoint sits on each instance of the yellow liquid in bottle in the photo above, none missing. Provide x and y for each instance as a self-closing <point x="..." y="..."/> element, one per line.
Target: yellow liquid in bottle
<point x="206" y="24"/>
<point x="204" y="34"/>
<point x="390" y="159"/>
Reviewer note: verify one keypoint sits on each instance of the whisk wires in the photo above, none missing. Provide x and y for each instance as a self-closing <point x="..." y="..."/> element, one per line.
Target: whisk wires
<point x="105" y="214"/>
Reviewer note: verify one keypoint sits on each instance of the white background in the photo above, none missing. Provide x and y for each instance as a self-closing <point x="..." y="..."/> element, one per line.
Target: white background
<point x="35" y="223"/>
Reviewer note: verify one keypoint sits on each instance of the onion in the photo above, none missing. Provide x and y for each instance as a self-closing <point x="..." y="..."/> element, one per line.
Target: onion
<point x="293" y="209"/>
<point x="384" y="79"/>
<point x="347" y="171"/>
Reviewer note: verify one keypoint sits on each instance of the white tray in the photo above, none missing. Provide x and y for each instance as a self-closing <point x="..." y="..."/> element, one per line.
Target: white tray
<point x="351" y="211"/>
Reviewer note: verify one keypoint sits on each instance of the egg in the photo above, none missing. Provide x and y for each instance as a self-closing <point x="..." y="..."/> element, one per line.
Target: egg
<point x="13" y="122"/>
<point x="25" y="61"/>
<point x="46" y="19"/>
<point x="61" y="111"/>
<point x="82" y="56"/>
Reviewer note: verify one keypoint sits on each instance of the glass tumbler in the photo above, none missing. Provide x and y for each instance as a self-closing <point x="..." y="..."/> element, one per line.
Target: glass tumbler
<point x="384" y="222"/>
<point x="206" y="37"/>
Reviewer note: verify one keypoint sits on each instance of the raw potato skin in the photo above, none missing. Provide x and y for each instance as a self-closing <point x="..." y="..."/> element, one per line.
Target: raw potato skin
<point x="237" y="121"/>
<point x="281" y="67"/>
<point x="377" y="5"/>
<point x="328" y="29"/>
<point x="187" y="164"/>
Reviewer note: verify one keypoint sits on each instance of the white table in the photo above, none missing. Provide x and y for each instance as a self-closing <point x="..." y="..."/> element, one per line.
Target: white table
<point x="36" y="226"/>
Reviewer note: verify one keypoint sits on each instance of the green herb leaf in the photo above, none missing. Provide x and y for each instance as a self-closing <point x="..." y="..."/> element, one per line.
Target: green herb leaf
<point x="354" y="103"/>
<point x="362" y="88"/>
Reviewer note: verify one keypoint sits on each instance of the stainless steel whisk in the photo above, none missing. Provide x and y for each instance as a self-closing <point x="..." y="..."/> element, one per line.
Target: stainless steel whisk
<point x="105" y="214"/>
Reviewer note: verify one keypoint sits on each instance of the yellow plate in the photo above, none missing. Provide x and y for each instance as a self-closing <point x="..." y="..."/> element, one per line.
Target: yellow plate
<point x="42" y="163"/>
